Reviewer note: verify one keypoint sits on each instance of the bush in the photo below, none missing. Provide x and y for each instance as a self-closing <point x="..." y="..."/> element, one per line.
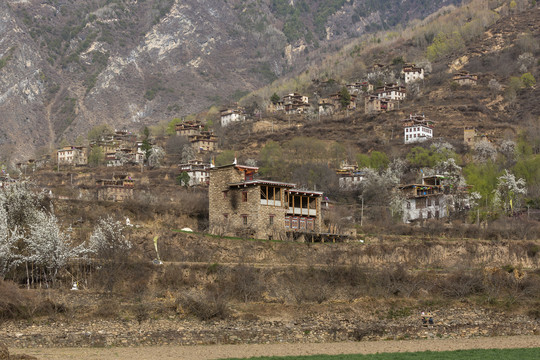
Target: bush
<point x="13" y="304"/>
<point x="209" y="305"/>
<point x="528" y="80"/>
<point x="461" y="284"/>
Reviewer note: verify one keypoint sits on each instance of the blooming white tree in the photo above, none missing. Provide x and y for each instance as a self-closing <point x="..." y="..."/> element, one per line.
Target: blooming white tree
<point x="509" y="192"/>
<point x="156" y="156"/>
<point x="525" y="60"/>
<point x="456" y="186"/>
<point x="110" y="245"/>
<point x="484" y="151"/>
<point x="108" y="241"/>
<point x="21" y="204"/>
<point x="8" y="241"/>
<point x="508" y="149"/>
<point x="188" y="153"/>
<point x="48" y="247"/>
<point x="379" y="188"/>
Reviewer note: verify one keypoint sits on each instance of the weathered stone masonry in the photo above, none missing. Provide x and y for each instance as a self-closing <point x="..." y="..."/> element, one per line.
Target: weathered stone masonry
<point x="240" y="204"/>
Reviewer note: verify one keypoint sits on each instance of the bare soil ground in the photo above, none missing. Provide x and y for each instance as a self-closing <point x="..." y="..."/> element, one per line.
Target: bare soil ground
<point x="242" y="351"/>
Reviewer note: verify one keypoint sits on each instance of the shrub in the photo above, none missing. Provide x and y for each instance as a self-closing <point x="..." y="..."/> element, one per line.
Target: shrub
<point x="208" y="305"/>
<point x="460" y="284"/>
<point x="528" y="80"/>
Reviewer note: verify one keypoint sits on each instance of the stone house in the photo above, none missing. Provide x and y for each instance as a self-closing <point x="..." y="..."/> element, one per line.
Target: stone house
<point x="412" y="73"/>
<point x="275" y="107"/>
<point x="296" y="104"/>
<point x="464" y="78"/>
<point x="391" y="91"/>
<point x="360" y="87"/>
<point x="374" y="104"/>
<point x="72" y="155"/>
<point x="204" y="141"/>
<point x="119" y="188"/>
<point x="107" y="146"/>
<point x="424" y="201"/>
<point x="241" y="204"/>
<point x="417" y="128"/>
<point x="326" y="107"/>
<point x="123" y="156"/>
<point x="198" y="172"/>
<point x="471" y="137"/>
<point x="349" y="177"/>
<point x="230" y="115"/>
<point x="336" y="101"/>
<point x="188" y="128"/>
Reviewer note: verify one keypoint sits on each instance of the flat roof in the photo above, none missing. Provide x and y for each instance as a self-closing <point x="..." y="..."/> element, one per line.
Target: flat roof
<point x="306" y="192"/>
<point x="262" y="182"/>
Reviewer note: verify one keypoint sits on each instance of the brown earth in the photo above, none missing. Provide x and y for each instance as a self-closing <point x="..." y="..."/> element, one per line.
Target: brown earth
<point x="247" y="350"/>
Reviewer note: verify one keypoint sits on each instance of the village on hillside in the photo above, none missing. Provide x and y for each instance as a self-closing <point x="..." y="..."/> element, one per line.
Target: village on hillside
<point x="242" y="202"/>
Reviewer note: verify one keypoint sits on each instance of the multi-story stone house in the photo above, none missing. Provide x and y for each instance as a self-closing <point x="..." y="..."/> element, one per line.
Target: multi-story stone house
<point x="375" y="104"/>
<point x="326" y="107"/>
<point x="471" y="137"/>
<point x="417" y="128"/>
<point x="336" y="101"/>
<point x="188" y="128"/>
<point x="296" y="104"/>
<point x="349" y="177"/>
<point x="119" y="188"/>
<point x="198" y="172"/>
<point x="239" y="203"/>
<point x="72" y="155"/>
<point x="204" y="141"/>
<point x="230" y="115"/>
<point x="464" y="78"/>
<point x="391" y="91"/>
<point x="360" y="87"/>
<point x="424" y="201"/>
<point x="412" y="73"/>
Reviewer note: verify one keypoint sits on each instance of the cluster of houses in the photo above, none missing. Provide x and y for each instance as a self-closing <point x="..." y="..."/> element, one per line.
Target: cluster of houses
<point x="240" y="202"/>
<point x="290" y="104"/>
<point x="119" y="149"/>
<point x="389" y="96"/>
<point x="201" y="140"/>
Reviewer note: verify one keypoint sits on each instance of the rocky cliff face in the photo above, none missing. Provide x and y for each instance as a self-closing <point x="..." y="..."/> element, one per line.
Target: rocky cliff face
<point x="67" y="65"/>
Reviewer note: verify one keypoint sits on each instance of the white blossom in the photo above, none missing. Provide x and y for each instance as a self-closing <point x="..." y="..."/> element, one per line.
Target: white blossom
<point x="156" y="156"/>
<point x="8" y="240"/>
<point x="49" y="247"/>
<point x="188" y="153"/>
<point x="494" y="85"/>
<point x="108" y="240"/>
<point x="508" y="149"/>
<point x="509" y="191"/>
<point x="484" y="151"/>
<point x="525" y="60"/>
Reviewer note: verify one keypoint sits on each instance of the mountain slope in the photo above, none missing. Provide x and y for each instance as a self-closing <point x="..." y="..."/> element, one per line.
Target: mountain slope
<point x="69" y="64"/>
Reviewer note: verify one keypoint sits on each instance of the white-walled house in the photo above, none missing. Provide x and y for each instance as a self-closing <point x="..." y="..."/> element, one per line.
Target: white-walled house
<point x="72" y="155"/>
<point x="197" y="171"/>
<point x="424" y="201"/>
<point x="417" y="133"/>
<point x="231" y="115"/>
<point x="417" y="128"/>
<point x="412" y="73"/>
<point x="392" y="91"/>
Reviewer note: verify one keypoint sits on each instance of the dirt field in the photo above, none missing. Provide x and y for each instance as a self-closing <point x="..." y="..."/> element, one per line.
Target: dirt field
<point x="227" y="351"/>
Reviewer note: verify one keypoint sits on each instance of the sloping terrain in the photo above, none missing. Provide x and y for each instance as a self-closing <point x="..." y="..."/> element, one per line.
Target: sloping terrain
<point x="68" y="65"/>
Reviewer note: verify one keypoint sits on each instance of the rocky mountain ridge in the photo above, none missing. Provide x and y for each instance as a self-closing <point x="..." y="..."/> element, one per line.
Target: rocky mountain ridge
<point x="68" y="65"/>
